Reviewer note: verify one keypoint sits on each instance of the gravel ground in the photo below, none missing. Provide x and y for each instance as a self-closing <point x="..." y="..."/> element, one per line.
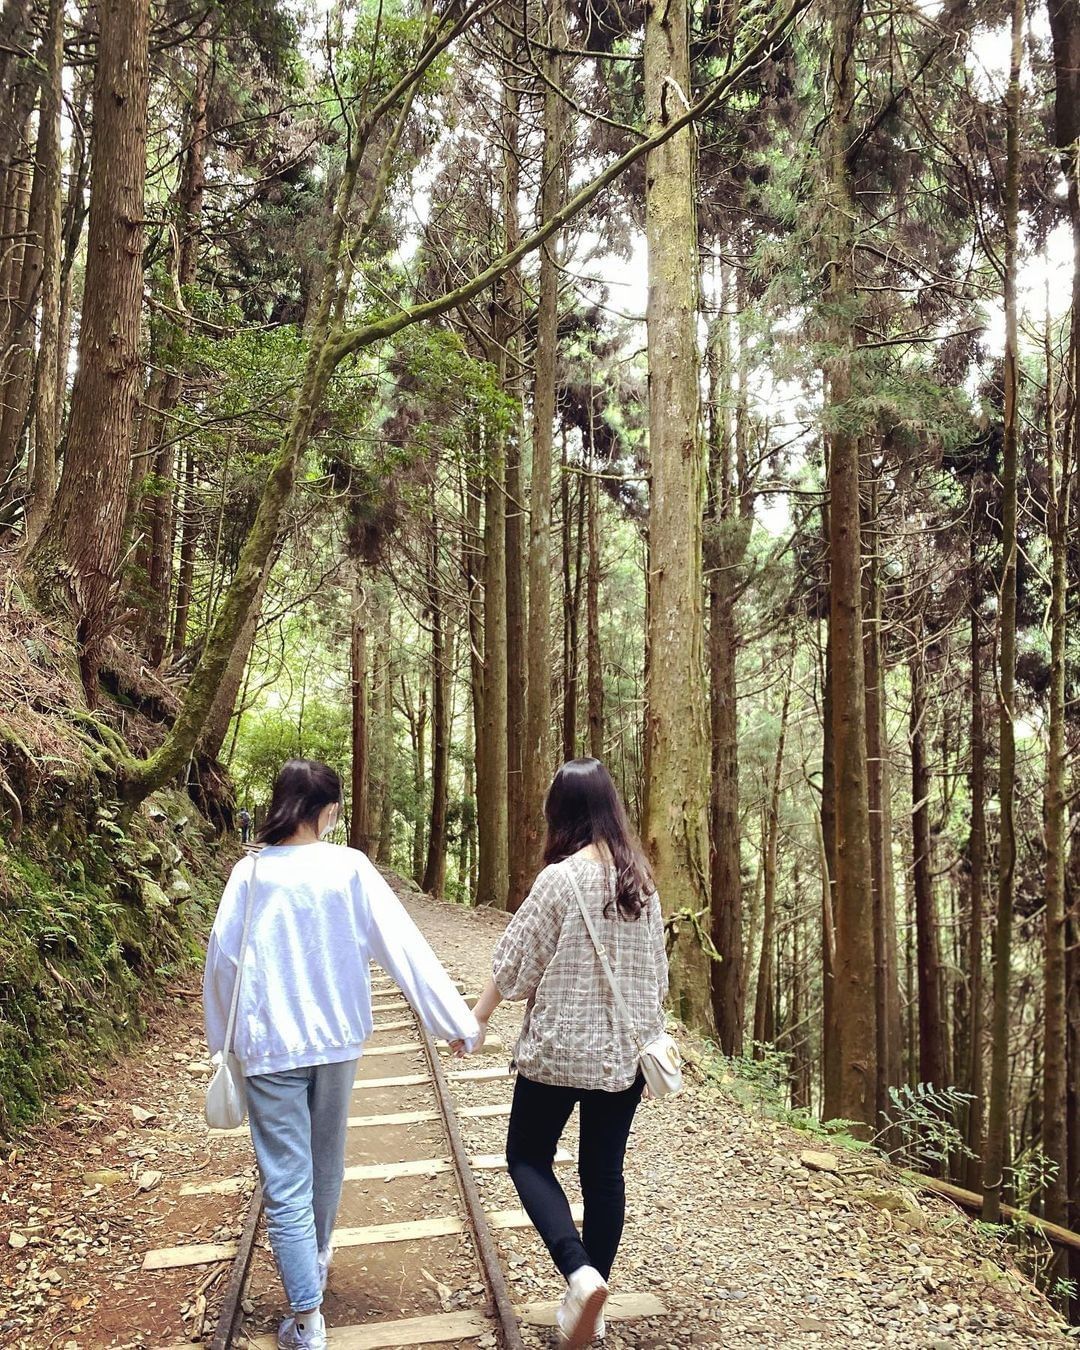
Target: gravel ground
<point x="744" y="1243"/>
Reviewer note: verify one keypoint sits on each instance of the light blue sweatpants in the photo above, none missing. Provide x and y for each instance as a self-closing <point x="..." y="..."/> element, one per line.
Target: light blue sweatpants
<point x="299" y="1119"/>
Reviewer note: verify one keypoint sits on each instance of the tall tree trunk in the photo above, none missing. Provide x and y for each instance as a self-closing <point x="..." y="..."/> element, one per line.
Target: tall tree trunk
<point x="830" y="1046"/>
<point x="537" y="748"/>
<point x="571" y="589"/>
<point x="998" y="1107"/>
<point x="73" y="564"/>
<point x="676" y="834"/>
<point x="189" y="537"/>
<point x="973" y="1081"/>
<point x="853" y="975"/>
<point x="595" y="672"/>
<point x="726" y="536"/>
<point x="27" y="258"/>
<point x="360" y="813"/>
<point x="927" y="942"/>
<point x="189" y="209"/>
<point x="1059" y="472"/>
<point x="48" y="376"/>
<point x="510" y="317"/>
<point x="771" y="843"/>
<point x="1063" y="1006"/>
<point x="491" y="798"/>
<point x="886" y="993"/>
<point x="434" y="879"/>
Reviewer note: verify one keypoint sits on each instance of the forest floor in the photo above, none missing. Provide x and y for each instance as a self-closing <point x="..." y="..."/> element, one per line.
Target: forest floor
<point x="743" y="1242"/>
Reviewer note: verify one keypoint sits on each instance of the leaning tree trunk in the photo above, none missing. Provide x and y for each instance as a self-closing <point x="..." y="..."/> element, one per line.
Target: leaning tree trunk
<point x="677" y="747"/>
<point x="998" y="1108"/>
<point x="854" y="1028"/>
<point x="72" y="567"/>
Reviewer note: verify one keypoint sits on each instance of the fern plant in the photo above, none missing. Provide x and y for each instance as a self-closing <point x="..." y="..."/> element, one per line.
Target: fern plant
<point x="920" y="1128"/>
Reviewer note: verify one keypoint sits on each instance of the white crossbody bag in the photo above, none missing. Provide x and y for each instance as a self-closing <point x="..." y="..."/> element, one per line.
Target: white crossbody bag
<point x="658" y="1059"/>
<point x="226" y="1100"/>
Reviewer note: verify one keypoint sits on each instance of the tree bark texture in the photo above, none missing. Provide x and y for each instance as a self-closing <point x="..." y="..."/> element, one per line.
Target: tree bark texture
<point x="74" y="562"/>
<point x="676" y="834"/>
<point x="854" y="1028"/>
<point x="996" y="1149"/>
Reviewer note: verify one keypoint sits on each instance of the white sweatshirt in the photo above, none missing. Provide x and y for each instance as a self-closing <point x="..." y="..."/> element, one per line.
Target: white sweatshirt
<point x="321" y="913"/>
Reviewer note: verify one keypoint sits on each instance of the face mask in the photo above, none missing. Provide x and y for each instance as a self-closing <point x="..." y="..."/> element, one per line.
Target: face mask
<point x="330" y="826"/>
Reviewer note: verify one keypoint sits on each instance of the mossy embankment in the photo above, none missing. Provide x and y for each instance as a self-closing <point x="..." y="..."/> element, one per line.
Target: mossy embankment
<point x="101" y="908"/>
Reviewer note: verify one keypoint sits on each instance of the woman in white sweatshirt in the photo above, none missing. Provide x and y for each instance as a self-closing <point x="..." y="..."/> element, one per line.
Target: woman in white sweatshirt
<point x="319" y="914"/>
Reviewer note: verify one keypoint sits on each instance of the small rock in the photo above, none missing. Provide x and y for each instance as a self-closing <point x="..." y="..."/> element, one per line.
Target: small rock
<point x="108" y="1176"/>
<point x="149" y="1179"/>
<point x="819" y="1162"/>
<point x="141" y="1116"/>
<point x="18" y="1241"/>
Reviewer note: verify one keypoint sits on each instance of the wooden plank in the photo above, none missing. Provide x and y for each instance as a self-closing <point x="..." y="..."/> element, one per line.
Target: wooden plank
<point x="441" y="1329"/>
<point x="226" y="1186"/>
<point x="496" y="1162"/>
<point x="403" y="1048"/>
<point x="417" y="1167"/>
<point x="396" y="1118"/>
<point x="618" y="1308"/>
<point x="478" y="1075"/>
<point x="481" y="1112"/>
<point x="517" y="1218"/>
<point x="971" y="1200"/>
<point x="193" y="1254"/>
<point x="402" y="1080"/>
<point x="393" y="1026"/>
<point x="393" y="1118"/>
<point x="411" y="1230"/>
<point x="408" y="1230"/>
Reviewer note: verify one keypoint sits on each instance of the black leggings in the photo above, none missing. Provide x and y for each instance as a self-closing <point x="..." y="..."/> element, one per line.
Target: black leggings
<point x="537" y="1120"/>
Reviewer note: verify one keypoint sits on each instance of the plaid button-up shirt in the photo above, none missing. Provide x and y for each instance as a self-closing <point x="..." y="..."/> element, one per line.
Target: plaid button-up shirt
<point x="573" y="1035"/>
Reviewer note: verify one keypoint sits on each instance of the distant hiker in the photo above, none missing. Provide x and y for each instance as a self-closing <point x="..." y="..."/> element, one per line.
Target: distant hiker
<point x="245" y="824"/>
<point x="574" y="1047"/>
<point x="319" y="913"/>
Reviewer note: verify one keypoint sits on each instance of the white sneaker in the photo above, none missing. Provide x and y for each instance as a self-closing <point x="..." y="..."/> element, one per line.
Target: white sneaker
<point x="326" y="1257"/>
<point x="580" y="1315"/>
<point x="309" y="1336"/>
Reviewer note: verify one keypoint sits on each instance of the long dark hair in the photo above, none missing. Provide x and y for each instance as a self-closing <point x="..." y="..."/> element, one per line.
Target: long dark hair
<point x="302" y="789"/>
<point x="582" y="807"/>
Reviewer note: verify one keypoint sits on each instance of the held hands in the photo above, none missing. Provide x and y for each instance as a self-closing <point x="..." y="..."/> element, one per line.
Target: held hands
<point x="457" y="1047"/>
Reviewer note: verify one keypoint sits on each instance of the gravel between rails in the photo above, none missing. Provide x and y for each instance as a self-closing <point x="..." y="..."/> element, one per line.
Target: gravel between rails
<point x="744" y="1244"/>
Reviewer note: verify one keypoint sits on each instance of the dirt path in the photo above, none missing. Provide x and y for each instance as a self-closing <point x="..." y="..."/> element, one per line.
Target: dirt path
<point x="743" y="1243"/>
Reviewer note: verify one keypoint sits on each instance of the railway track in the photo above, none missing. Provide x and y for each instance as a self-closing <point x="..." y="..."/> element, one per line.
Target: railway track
<point x="405" y="1154"/>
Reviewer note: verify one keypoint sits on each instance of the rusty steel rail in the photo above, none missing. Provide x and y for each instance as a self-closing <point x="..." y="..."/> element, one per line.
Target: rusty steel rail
<point x="231" y="1314"/>
<point x="498" y="1294"/>
<point x="500" y="1308"/>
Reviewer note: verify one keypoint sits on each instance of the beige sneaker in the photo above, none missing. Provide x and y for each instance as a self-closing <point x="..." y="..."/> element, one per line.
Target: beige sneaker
<point x="580" y="1315"/>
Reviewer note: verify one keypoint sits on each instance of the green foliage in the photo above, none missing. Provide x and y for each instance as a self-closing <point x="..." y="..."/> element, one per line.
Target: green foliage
<point x="922" y="1119"/>
<point x="91" y="926"/>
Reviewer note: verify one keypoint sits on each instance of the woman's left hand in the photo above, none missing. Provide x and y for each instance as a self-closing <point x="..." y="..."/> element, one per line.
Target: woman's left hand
<point x="457" y="1049"/>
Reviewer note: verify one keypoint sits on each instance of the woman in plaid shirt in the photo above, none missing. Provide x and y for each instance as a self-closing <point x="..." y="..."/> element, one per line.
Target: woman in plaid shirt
<point x="574" y="1048"/>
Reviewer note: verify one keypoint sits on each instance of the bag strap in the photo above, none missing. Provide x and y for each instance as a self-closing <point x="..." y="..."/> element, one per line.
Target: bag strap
<point x="605" y="965"/>
<point x="230" y="1025"/>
